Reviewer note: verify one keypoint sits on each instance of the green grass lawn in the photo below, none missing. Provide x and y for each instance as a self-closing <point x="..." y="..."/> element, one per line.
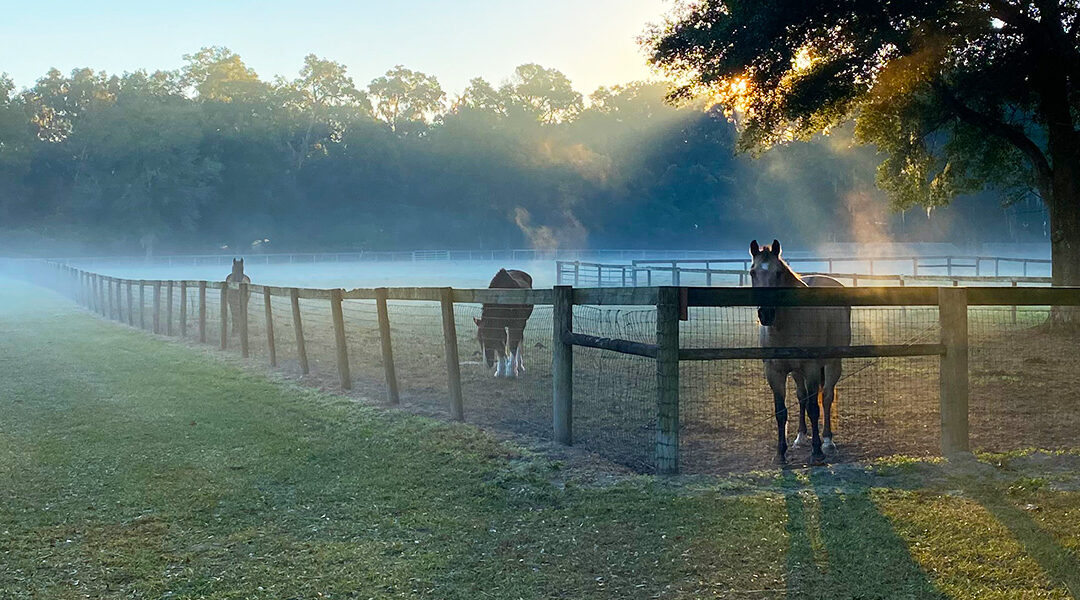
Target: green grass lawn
<point x="132" y="467"/>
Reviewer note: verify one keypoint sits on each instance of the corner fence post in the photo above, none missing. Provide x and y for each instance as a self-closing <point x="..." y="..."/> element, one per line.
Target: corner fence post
<point x="268" y="311"/>
<point x="168" y="307"/>
<point x="157" y="307"/>
<point x="242" y="318"/>
<point x="952" y="312"/>
<point x="202" y="312"/>
<point x="224" y="310"/>
<point x="667" y="380"/>
<point x="387" y="347"/>
<point x="453" y="363"/>
<point x="339" y="339"/>
<point x="298" y="329"/>
<point x="183" y="308"/>
<point x="562" y="364"/>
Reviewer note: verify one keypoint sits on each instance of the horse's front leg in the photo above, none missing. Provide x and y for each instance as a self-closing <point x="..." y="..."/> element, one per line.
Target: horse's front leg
<point x="828" y="394"/>
<point x="813" y="384"/>
<point x="778" y="383"/>
<point x="801" y="438"/>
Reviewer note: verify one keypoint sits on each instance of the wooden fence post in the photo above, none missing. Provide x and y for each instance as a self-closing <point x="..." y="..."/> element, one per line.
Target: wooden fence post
<point x="667" y="380"/>
<point x="202" y="312"/>
<point x="157" y="307"/>
<point x="387" y="346"/>
<point x="298" y="329"/>
<point x="268" y="311"/>
<point x="100" y="294"/>
<point x="142" y="304"/>
<point x="119" y="301"/>
<point x="224" y="310"/>
<point x="131" y="305"/>
<point x="183" y="308"/>
<point x="1014" y="307"/>
<point x="108" y="298"/>
<point x="242" y="318"/>
<point x="453" y="364"/>
<point x="952" y="313"/>
<point x="339" y="338"/>
<point x="168" y="307"/>
<point x="562" y="365"/>
<point x="301" y="351"/>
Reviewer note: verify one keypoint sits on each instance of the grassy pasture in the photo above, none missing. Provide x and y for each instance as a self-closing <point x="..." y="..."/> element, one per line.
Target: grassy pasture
<point x="132" y="467"/>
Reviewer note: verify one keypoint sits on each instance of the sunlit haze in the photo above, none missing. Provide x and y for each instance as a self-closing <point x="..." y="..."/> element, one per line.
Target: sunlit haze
<point x="593" y="42"/>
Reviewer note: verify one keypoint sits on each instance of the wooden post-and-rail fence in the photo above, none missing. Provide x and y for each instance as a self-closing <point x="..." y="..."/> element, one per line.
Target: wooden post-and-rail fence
<point x="672" y="305"/>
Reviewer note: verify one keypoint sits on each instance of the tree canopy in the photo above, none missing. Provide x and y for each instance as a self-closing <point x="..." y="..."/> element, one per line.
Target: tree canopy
<point x="213" y="156"/>
<point x="959" y="96"/>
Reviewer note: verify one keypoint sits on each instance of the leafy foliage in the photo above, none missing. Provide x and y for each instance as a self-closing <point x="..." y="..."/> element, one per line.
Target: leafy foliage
<point x="211" y="156"/>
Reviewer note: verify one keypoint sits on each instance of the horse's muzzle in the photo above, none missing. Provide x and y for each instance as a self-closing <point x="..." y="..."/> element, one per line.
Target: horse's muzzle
<point x="766" y="316"/>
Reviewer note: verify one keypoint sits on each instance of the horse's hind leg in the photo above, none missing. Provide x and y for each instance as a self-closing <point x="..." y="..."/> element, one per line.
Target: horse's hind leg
<point x="813" y="384"/>
<point x="801" y="439"/>
<point x="517" y="361"/>
<point x="828" y="394"/>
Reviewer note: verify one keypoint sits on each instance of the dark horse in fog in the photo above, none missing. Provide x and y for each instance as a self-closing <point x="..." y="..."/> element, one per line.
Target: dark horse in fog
<point x="800" y="327"/>
<point x="501" y="327"/>
<point x="235" y="296"/>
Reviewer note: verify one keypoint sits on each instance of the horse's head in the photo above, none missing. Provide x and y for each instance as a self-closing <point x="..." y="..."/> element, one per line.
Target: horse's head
<point x="238" y="267"/>
<point x="767" y="270"/>
<point x="492" y="341"/>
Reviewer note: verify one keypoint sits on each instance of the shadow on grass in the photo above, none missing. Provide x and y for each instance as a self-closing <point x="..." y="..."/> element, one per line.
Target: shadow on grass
<point x="841" y="546"/>
<point x="1060" y="566"/>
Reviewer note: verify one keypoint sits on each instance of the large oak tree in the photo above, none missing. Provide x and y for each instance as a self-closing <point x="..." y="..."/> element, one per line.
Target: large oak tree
<point x="960" y="95"/>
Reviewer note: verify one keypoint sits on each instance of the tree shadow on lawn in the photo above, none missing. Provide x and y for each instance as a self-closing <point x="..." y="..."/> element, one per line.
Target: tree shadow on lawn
<point x="1059" y="565"/>
<point x="842" y="546"/>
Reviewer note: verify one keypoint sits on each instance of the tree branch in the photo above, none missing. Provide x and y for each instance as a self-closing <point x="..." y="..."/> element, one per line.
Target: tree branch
<point x="1010" y="133"/>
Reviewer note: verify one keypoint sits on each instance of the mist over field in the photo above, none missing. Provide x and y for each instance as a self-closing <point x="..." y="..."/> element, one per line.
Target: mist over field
<point x="216" y="158"/>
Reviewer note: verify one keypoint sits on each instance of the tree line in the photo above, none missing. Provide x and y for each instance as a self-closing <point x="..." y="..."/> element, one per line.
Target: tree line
<point x="212" y="157"/>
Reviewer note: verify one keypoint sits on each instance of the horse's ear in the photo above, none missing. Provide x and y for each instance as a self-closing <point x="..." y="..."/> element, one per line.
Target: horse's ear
<point x="776" y="248"/>
<point x="477" y="321"/>
<point x="241" y="261"/>
<point x="754" y="250"/>
<point x="234" y="260"/>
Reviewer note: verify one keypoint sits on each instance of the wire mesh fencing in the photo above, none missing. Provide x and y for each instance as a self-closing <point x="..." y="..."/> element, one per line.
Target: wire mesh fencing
<point x="1021" y="370"/>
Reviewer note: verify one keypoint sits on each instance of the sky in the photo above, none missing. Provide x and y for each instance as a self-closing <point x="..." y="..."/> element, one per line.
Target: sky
<point x="591" y="41"/>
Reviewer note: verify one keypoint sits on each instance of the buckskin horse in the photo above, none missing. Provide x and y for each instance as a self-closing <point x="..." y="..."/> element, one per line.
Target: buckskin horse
<point x="800" y="327"/>
<point x="234" y="296"/>
<point x="501" y="327"/>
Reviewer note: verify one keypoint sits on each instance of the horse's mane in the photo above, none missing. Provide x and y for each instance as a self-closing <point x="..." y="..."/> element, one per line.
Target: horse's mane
<point x="795" y="277"/>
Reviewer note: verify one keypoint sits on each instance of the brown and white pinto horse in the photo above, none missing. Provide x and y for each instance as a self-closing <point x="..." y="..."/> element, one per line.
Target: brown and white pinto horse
<point x="800" y="327"/>
<point x="501" y="327"/>
<point x="234" y="296"/>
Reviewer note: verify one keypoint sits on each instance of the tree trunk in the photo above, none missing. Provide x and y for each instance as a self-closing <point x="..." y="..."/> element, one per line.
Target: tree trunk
<point x="1065" y="240"/>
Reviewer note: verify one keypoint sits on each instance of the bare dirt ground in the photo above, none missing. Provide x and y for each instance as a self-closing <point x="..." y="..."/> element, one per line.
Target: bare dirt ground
<point x="1023" y="382"/>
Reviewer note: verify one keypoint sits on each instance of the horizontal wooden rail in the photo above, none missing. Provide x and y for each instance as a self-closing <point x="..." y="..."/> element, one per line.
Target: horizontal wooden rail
<point x="868" y="296"/>
<point x="811" y="352"/>
<point x="615" y="345"/>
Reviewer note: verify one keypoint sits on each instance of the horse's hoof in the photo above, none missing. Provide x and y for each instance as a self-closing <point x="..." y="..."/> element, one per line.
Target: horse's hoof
<point x="800" y="440"/>
<point x="828" y="446"/>
<point x="817" y="459"/>
<point x="779" y="459"/>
